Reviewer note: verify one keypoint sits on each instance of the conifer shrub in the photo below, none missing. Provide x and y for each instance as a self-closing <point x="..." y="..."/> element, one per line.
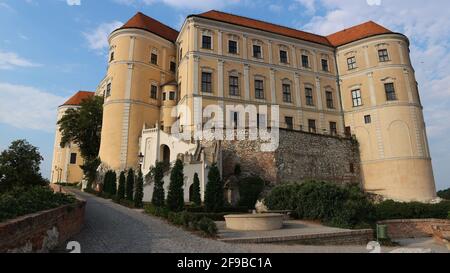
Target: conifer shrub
<point x="129" y="188"/>
<point x="214" y="198"/>
<point x="175" y="196"/>
<point x="139" y="191"/>
<point x="157" y="174"/>
<point x="121" y="189"/>
<point x="196" y="197"/>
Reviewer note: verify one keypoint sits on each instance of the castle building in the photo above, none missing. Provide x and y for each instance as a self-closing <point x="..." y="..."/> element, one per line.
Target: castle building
<point x="359" y="81"/>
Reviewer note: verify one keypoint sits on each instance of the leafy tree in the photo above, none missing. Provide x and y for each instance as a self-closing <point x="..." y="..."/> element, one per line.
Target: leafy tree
<point x="214" y="199"/>
<point x="175" y="197"/>
<point x="121" y="189"/>
<point x="130" y="184"/>
<point x="196" y="197"/>
<point x="444" y="194"/>
<point x="139" y="191"/>
<point x="20" y="166"/>
<point x="83" y="126"/>
<point x="158" y="190"/>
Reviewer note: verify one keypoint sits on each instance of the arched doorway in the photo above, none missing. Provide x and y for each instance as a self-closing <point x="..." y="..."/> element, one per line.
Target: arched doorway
<point x="165" y="154"/>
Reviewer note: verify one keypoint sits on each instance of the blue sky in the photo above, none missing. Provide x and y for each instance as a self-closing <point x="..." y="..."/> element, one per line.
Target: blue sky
<point x="51" y="48"/>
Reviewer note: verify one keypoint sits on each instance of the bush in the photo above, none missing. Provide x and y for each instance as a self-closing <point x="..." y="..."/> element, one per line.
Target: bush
<point x="250" y="189"/>
<point x="396" y="210"/>
<point x="444" y="194"/>
<point x="22" y="201"/>
<point x="339" y="206"/>
<point x="196" y="196"/>
<point x="207" y="226"/>
<point x="214" y="199"/>
<point x="139" y="191"/>
<point x="158" y="190"/>
<point x="175" y="196"/>
<point x="121" y="189"/>
<point x="129" y="185"/>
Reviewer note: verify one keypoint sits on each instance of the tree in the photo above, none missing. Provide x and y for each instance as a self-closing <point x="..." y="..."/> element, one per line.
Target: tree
<point x="175" y="197"/>
<point x="109" y="184"/>
<point x="158" y="189"/>
<point x="139" y="191"/>
<point x="121" y="190"/>
<point x="113" y="183"/>
<point x="83" y="126"/>
<point x="250" y="188"/>
<point x="214" y="198"/>
<point x="106" y="182"/>
<point x="196" y="197"/>
<point x="20" y="166"/>
<point x="130" y="184"/>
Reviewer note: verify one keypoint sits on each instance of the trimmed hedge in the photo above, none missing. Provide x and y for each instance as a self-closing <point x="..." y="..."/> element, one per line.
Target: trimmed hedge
<point x="340" y="206"/>
<point x="191" y="221"/>
<point x="22" y="201"/>
<point x="388" y="210"/>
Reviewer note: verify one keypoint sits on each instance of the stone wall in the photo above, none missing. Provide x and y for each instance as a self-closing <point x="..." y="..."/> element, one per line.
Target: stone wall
<point x="300" y="156"/>
<point x="412" y="228"/>
<point x="42" y="231"/>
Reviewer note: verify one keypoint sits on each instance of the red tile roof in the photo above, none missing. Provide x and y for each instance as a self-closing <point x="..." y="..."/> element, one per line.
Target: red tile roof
<point x="264" y="26"/>
<point x="142" y="21"/>
<point x="78" y="98"/>
<point x="357" y="33"/>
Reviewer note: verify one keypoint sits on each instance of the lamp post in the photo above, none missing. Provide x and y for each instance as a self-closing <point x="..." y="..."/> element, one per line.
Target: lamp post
<point x="141" y="160"/>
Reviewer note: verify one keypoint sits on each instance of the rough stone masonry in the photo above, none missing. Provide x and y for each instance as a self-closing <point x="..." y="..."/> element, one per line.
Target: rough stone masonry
<point x="300" y="156"/>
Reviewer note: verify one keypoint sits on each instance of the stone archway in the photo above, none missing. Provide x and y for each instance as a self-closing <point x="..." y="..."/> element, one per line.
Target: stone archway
<point x="165" y="154"/>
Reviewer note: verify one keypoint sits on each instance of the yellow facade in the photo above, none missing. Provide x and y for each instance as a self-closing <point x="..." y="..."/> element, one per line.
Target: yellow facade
<point x="396" y="162"/>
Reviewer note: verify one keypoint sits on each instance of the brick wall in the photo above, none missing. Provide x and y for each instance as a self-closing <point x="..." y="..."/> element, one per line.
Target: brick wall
<point x="300" y="156"/>
<point x="42" y="231"/>
<point x="412" y="228"/>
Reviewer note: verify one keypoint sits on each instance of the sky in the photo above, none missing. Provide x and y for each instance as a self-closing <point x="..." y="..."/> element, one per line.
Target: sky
<point x="49" y="49"/>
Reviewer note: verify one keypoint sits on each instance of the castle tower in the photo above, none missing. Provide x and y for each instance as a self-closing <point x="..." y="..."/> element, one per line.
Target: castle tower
<point x="67" y="160"/>
<point x="382" y="109"/>
<point x="142" y="59"/>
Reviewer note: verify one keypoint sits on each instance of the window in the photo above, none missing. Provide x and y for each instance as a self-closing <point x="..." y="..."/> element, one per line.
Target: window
<point x="206" y="42"/>
<point x="356" y="98"/>
<point x="232" y="47"/>
<point x="289" y="122"/>
<point x="257" y="53"/>
<point x="261" y="120"/>
<point x="351" y="63"/>
<point x="333" y="128"/>
<point x="154" y="59"/>
<point x="111" y="58"/>
<point x="325" y="65"/>
<point x="259" y="89"/>
<point x="108" y="90"/>
<point x="164" y="96"/>
<point x="309" y="96"/>
<point x="283" y="57"/>
<point x="287" y="93"/>
<point x="305" y="61"/>
<point x="234" y="86"/>
<point x="367" y="119"/>
<point x="235" y="118"/>
<point x="173" y="66"/>
<point x="206" y="82"/>
<point x="311" y="125"/>
<point x="154" y="92"/>
<point x="383" y="55"/>
<point x="73" y="158"/>
<point x="181" y="54"/>
<point x="390" y="91"/>
<point x="172" y="95"/>
<point x="330" y="102"/>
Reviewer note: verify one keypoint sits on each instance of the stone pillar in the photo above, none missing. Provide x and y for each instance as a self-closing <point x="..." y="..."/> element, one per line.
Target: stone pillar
<point x="244" y="47"/>
<point x="246" y="81"/>
<point x="273" y="86"/>
<point x="294" y="57"/>
<point x="373" y="98"/>
<point x="196" y="74"/>
<point x="270" y="53"/>
<point x="219" y="43"/>
<point x="220" y="78"/>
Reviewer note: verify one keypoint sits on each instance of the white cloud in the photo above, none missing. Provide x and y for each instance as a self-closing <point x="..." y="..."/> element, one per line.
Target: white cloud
<point x="98" y="38"/>
<point x="10" y="60"/>
<point x="73" y="2"/>
<point x="28" y="107"/>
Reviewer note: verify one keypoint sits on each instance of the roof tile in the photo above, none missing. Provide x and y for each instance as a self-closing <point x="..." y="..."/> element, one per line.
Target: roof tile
<point x="78" y="98"/>
<point x="142" y="21"/>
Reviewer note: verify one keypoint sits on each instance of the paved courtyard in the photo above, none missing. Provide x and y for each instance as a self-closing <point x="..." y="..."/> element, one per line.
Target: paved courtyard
<point x="112" y="228"/>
